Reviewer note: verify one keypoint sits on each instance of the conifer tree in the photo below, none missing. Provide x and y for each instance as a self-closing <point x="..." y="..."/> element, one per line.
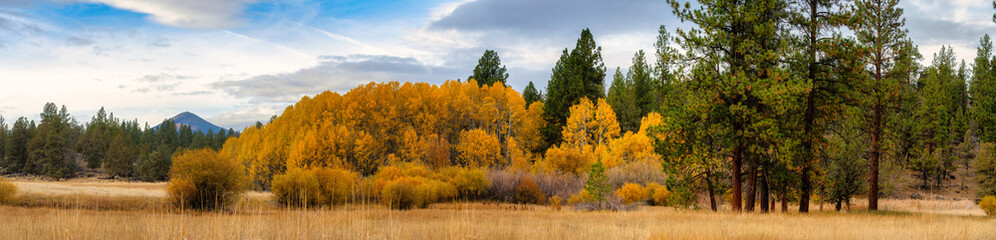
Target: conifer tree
<point x="578" y="74"/>
<point x="489" y="70"/>
<point x="983" y="90"/>
<point x="880" y="29"/>
<point x="531" y="95"/>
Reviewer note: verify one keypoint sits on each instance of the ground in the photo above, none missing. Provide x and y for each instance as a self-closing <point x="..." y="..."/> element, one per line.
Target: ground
<point x="102" y="209"/>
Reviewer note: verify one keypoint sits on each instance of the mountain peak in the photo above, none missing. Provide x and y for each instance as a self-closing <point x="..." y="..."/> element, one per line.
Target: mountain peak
<point x="195" y="122"/>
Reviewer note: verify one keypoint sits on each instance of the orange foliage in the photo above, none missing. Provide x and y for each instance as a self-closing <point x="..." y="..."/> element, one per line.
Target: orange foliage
<point x="416" y="122"/>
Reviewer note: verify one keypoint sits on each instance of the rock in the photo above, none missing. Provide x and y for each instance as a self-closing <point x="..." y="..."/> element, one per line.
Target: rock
<point x="939" y="197"/>
<point x="916" y="196"/>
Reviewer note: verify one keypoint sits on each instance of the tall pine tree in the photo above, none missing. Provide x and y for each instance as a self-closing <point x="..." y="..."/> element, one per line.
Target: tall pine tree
<point x="489" y="70"/>
<point x="891" y="60"/>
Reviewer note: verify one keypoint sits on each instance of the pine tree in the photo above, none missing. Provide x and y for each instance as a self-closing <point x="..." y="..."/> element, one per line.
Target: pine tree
<point x="821" y="66"/>
<point x="621" y="97"/>
<point x="597" y="184"/>
<point x="17" y="145"/>
<point x="891" y="56"/>
<point x="4" y="133"/>
<point x="664" y="80"/>
<point x="983" y="91"/>
<point x="120" y="157"/>
<point x="643" y="88"/>
<point x="51" y="150"/>
<point x="736" y="81"/>
<point x="578" y="74"/>
<point x="489" y="70"/>
<point x="531" y="95"/>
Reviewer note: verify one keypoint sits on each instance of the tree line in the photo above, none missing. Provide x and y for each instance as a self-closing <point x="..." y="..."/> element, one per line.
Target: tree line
<point x="59" y="147"/>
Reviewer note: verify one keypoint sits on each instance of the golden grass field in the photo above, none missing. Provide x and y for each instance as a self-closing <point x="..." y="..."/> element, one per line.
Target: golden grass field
<point x="92" y="209"/>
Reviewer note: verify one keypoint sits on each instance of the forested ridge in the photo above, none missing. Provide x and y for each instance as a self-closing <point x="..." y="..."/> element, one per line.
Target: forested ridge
<point x="758" y="102"/>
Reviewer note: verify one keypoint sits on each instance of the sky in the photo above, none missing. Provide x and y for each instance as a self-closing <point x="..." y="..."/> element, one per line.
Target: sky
<point x="235" y="62"/>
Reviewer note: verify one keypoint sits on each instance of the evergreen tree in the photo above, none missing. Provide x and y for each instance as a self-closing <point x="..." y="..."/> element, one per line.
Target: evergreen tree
<point x="621" y="98"/>
<point x="51" y="150"/>
<point x="99" y="133"/>
<point x="531" y="95"/>
<point x="643" y="88"/>
<point x="983" y="91"/>
<point x="4" y="133"/>
<point x="891" y="56"/>
<point x="120" y="157"/>
<point x="597" y="184"/>
<point x="17" y="145"/>
<point x="664" y="80"/>
<point x="823" y="65"/>
<point x="489" y="70"/>
<point x="578" y="74"/>
<point x="737" y="82"/>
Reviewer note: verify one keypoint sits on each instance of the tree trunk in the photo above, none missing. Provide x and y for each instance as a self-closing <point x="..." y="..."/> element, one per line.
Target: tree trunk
<point x="751" y="187"/>
<point x="805" y="187"/>
<point x="764" y="192"/>
<point x="785" y="203"/>
<point x="709" y="187"/>
<point x="873" y="161"/>
<point x="737" y="200"/>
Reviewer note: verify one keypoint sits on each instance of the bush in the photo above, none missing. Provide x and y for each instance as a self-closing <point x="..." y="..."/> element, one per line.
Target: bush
<point x="415" y="192"/>
<point x="503" y="185"/>
<point x="296" y="188"/>
<point x="658" y="194"/>
<point x="555" y="203"/>
<point x="631" y="192"/>
<point x="403" y="194"/>
<point x="336" y="186"/>
<point x="581" y="197"/>
<point x="527" y="191"/>
<point x="559" y="184"/>
<point x="7" y="191"/>
<point x="640" y="172"/>
<point x="204" y="179"/>
<point x="470" y="183"/>
<point x="988" y="204"/>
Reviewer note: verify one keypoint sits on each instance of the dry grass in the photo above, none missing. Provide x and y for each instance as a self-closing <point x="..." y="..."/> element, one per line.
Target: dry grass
<point x="117" y="211"/>
<point x="477" y="221"/>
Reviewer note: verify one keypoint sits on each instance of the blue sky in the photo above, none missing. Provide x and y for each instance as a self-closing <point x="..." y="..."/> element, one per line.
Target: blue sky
<point x="238" y="61"/>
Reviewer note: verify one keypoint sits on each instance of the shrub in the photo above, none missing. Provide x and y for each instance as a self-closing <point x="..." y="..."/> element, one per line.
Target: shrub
<point x="204" y="179"/>
<point x="336" y="186"/>
<point x="559" y="184"/>
<point x="581" y="197"/>
<point x="658" y="194"/>
<point x="597" y="185"/>
<point x="415" y="192"/>
<point x="988" y="204"/>
<point x="640" y="172"/>
<point x="403" y="194"/>
<point x="296" y="188"/>
<point x="631" y="192"/>
<point x="470" y="183"/>
<point x="7" y="190"/>
<point x="503" y="184"/>
<point x="555" y="203"/>
<point x="527" y="191"/>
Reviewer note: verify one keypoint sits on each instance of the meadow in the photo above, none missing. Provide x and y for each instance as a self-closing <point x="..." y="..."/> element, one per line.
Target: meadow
<point x="100" y="209"/>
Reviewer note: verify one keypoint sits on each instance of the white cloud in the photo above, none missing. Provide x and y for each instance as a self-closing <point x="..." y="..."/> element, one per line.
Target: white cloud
<point x="204" y="14"/>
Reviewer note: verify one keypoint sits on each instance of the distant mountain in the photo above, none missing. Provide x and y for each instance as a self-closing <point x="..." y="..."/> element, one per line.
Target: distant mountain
<point x="195" y="122"/>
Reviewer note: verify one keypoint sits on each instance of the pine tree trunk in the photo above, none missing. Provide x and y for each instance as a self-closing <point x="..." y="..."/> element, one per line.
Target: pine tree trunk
<point x="709" y="187"/>
<point x="737" y="200"/>
<point x="764" y="192"/>
<point x="751" y="187"/>
<point x="873" y="161"/>
<point x="785" y="203"/>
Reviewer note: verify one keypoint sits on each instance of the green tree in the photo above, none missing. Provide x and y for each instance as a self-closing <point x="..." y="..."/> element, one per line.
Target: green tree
<point x="17" y="145"/>
<point x="578" y="74"/>
<point x="531" y="95"/>
<point x="51" y="149"/>
<point x="489" y="70"/>
<point x="891" y="60"/>
<point x="985" y="170"/>
<point x="4" y="133"/>
<point x="621" y="98"/>
<point x="120" y="157"/>
<point x="99" y="133"/>
<point x="737" y="82"/>
<point x="597" y="184"/>
<point x="153" y="166"/>
<point x="643" y="87"/>
<point x="664" y="80"/>
<point x="983" y="91"/>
